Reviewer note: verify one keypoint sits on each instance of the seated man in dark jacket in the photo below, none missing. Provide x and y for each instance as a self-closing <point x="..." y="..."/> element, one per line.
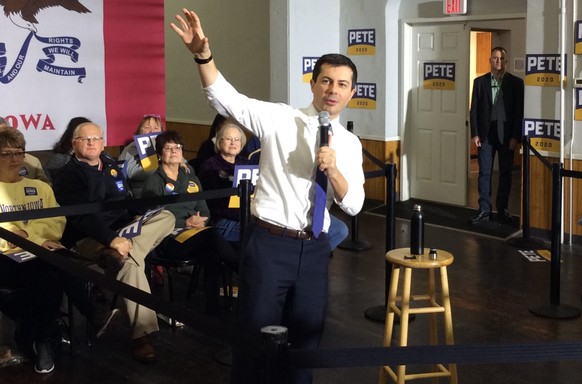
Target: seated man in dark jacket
<point x="91" y="177"/>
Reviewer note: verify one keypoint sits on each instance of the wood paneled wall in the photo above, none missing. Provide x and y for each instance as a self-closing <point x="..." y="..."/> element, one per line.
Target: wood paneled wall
<point x="540" y="194"/>
<point x="386" y="152"/>
<point x="541" y="197"/>
<point x="576" y="200"/>
<point x="193" y="134"/>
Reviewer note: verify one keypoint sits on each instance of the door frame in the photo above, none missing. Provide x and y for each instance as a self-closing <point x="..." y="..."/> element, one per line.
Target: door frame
<point x="406" y="66"/>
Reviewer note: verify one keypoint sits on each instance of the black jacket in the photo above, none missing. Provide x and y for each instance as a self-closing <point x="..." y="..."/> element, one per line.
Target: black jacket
<point x="481" y="105"/>
<point x="79" y="183"/>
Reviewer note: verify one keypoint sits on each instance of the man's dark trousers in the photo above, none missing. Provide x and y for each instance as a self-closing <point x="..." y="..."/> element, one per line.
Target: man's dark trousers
<point x="283" y="281"/>
<point x="486" y="156"/>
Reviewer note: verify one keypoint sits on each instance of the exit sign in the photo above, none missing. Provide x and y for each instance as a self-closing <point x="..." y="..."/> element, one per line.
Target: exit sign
<point x="454" y="7"/>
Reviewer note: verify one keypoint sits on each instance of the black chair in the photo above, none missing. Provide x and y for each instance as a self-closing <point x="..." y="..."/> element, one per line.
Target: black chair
<point x="68" y="316"/>
<point x="227" y="284"/>
<point x="70" y="321"/>
<point x="12" y="300"/>
<point x="171" y="266"/>
<point x="14" y="303"/>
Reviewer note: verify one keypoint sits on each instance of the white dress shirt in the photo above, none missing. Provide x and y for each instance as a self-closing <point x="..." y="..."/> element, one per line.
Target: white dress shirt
<point x="285" y="190"/>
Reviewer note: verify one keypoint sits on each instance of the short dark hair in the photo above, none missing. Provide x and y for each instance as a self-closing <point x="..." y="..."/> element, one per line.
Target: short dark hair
<point x="167" y="137"/>
<point x="216" y="123"/>
<point x="335" y="60"/>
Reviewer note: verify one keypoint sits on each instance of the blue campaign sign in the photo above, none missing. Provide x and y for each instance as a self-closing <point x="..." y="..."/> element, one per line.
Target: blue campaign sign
<point x="245" y="172"/>
<point x="146" y="149"/>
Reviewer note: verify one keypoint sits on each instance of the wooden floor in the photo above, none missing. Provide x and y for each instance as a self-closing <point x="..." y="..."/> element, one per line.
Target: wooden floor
<point x="493" y="286"/>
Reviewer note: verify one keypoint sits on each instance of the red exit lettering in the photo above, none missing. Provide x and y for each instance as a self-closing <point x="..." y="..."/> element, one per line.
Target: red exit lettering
<point x="454" y="7"/>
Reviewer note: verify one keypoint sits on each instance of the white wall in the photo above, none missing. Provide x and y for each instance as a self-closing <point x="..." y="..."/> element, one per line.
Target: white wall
<point x="313" y="31"/>
<point x="258" y="45"/>
<point x="239" y="36"/>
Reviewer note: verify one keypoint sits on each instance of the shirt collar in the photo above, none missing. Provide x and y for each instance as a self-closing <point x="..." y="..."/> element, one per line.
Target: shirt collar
<point x="500" y="77"/>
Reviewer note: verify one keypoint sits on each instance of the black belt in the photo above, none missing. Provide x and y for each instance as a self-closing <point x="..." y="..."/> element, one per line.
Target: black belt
<point x="282" y="231"/>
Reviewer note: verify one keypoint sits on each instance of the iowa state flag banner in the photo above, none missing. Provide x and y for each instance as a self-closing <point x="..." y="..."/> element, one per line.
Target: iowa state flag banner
<point x="101" y="59"/>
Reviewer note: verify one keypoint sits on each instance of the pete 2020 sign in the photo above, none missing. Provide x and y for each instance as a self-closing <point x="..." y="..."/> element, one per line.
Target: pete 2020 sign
<point x="544" y="134"/>
<point x="543" y="70"/>
<point x="438" y="76"/>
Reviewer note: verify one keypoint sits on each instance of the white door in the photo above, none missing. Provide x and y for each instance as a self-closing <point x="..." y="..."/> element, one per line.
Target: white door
<point x="438" y="132"/>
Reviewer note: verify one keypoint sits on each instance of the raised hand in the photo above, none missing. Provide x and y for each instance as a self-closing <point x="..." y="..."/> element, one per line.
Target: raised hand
<point x="190" y="30"/>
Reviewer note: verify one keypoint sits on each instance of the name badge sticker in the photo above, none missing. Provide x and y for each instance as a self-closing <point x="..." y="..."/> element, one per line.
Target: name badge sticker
<point x="30" y="191"/>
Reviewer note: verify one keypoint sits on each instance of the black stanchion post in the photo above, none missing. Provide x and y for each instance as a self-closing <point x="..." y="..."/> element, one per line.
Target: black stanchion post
<point x="526" y="241"/>
<point x="556" y="310"/>
<point x="556" y="234"/>
<point x="275" y="339"/>
<point x="378" y="313"/>
<point x="526" y="189"/>
<point x="354" y="243"/>
<point x="244" y="191"/>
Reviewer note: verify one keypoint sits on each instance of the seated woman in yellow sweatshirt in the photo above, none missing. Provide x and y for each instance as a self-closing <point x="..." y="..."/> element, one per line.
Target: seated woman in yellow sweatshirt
<point x="37" y="317"/>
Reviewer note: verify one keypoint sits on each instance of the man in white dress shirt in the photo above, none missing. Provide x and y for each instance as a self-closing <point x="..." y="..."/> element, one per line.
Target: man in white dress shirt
<point x="284" y="269"/>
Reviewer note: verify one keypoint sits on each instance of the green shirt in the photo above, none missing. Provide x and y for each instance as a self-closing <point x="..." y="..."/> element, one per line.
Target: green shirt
<point x="495" y="87"/>
<point x="159" y="184"/>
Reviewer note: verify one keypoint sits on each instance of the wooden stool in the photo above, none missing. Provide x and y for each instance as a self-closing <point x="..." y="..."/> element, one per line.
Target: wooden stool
<point x="401" y="260"/>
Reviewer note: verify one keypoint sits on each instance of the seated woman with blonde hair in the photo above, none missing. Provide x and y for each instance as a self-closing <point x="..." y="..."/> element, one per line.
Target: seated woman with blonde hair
<point x="217" y="172"/>
<point x="136" y="175"/>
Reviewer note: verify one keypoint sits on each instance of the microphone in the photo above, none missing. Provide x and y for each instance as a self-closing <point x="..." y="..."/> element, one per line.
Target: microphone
<point x="324" y="127"/>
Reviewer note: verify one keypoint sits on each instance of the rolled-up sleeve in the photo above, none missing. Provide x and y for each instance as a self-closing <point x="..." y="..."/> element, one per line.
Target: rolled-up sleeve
<point x="353" y="172"/>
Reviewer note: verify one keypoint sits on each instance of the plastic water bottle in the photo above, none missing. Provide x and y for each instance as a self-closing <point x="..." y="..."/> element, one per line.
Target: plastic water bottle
<point x="417" y="231"/>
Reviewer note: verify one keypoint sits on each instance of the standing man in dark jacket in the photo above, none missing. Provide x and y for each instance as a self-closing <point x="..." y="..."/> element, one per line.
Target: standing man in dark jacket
<point x="92" y="177"/>
<point x="496" y="120"/>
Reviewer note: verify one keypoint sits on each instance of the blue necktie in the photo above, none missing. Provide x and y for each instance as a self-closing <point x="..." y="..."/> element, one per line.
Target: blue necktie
<point x="320" y="200"/>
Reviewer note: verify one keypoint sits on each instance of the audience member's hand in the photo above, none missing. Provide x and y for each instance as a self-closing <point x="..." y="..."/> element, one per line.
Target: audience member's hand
<point x="190" y="31"/>
<point x="22" y="233"/>
<point x="52" y="245"/>
<point x="122" y="245"/>
<point x="196" y="221"/>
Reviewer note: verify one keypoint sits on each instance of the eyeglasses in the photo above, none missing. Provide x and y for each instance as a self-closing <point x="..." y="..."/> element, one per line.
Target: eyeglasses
<point x="87" y="139"/>
<point x="9" y="155"/>
<point x="152" y="116"/>
<point x="171" y="148"/>
<point x="231" y="139"/>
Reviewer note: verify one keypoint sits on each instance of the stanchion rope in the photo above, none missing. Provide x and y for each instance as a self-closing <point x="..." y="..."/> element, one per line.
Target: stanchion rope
<point x="300" y="358"/>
